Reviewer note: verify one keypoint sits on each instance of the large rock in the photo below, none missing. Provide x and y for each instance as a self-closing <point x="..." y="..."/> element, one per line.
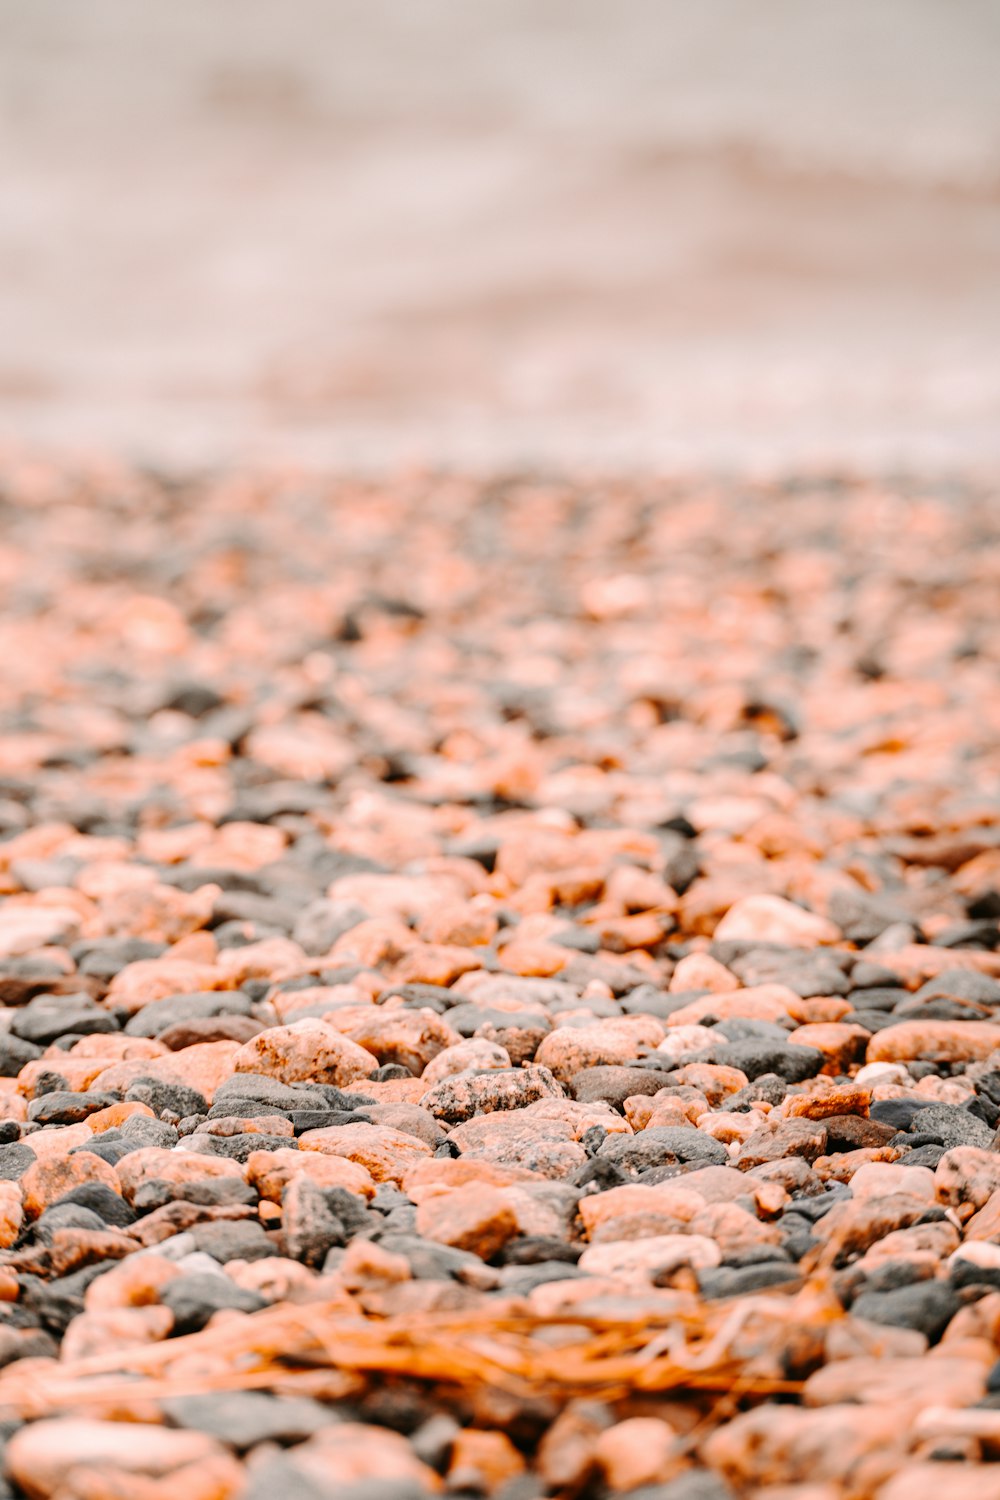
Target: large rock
<point x="42" y="1456"/>
<point x="771" y="919"/>
<point x="461" y="1097"/>
<point x="306" y="1051"/>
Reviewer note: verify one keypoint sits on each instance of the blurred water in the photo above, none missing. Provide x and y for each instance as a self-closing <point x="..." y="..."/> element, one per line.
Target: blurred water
<point x="503" y="231"/>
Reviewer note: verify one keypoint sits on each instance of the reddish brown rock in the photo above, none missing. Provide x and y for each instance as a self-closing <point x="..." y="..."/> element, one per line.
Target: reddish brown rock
<point x="464" y="1096"/>
<point x="11" y="1213"/>
<point x="570" y="1049"/>
<point x="599" y="1210"/>
<point x="778" y="1139"/>
<point x="42" y="1457"/>
<point x="120" y="1328"/>
<point x="656" y="1255"/>
<point x="307" y="1049"/>
<point x="638" y="1451"/>
<point x="136" y="1282"/>
<point x="483" y="1461"/>
<point x="845" y="1099"/>
<point x="155" y="1164"/>
<point x="934" y="1041"/>
<point x="843" y="1045"/>
<point x="763" y="1002"/>
<point x="770" y="919"/>
<point x="967" y="1177"/>
<point x="386" y="1154"/>
<point x="47" y="1181"/>
<point x="698" y="971"/>
<point x="476" y="1055"/>
<point x="479" y="1219"/>
<point x="354" y="1451"/>
<point x="202" y="1067"/>
<point x="848" y="1445"/>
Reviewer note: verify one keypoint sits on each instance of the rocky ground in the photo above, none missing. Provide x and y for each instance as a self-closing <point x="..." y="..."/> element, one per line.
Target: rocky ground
<point x="499" y="986"/>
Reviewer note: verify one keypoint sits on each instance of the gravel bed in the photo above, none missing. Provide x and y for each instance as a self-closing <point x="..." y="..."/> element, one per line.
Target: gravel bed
<point x="499" y="987"/>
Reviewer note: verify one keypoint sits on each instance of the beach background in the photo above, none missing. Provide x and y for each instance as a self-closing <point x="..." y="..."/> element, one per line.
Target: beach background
<point x="741" y="232"/>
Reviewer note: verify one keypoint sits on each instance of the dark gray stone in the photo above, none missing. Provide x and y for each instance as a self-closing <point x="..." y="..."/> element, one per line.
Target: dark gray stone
<point x="193" y="1299"/>
<point x="66" y="1216"/>
<point x="807" y="973"/>
<point x="279" y="1478"/>
<point x="429" y="1261"/>
<point x="159" y="1015"/>
<point x="104" y="1202"/>
<point x="233" y="1239"/>
<point x="961" y="984"/>
<point x="866" y="974"/>
<point x="244" y="1418"/>
<point x="746" y="1028"/>
<point x="48" y="1017"/>
<point x="697" y="1484"/>
<point x="324" y="921"/>
<point x="928" y="1306"/>
<point x="793" y="1063"/>
<point x="261" y="1089"/>
<point x="735" y="1281"/>
<point x="282" y="1477"/>
<point x="647" y="1000"/>
<point x="314" y="1228"/>
<point x="613" y="1085"/>
<point x="953" y="1125"/>
<point x="520" y="1280"/>
<point x="176" y="1098"/>
<point x="663" y="1145"/>
<point x="105" y="959"/>
<point x="240" y="1147"/>
<point x="68" y="1108"/>
<point x="15" y="1159"/>
<point x="901" y="1113"/>
<point x="14" y="1053"/>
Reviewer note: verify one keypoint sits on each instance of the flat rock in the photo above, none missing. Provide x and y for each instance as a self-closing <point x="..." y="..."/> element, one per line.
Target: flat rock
<point x="461" y="1097"/>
